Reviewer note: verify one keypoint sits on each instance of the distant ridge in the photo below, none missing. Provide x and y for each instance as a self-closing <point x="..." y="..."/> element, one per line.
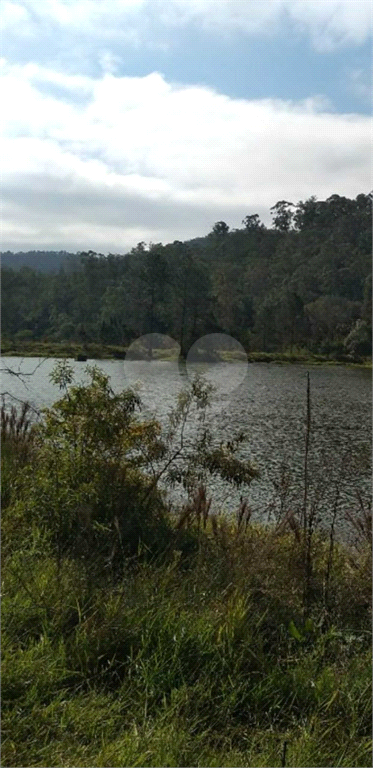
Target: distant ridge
<point x="42" y="261"/>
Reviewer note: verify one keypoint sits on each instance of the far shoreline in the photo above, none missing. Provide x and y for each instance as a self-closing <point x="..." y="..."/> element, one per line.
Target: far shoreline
<point x="94" y="351"/>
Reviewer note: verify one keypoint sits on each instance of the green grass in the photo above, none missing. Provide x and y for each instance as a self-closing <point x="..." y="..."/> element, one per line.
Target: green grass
<point x="175" y="665"/>
<point x="96" y="351"/>
<point x="61" y="349"/>
<point x="306" y="357"/>
<point x="195" y="653"/>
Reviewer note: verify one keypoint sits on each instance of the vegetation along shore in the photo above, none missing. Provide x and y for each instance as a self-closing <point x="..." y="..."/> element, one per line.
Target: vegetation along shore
<point x="141" y="632"/>
<point x="303" y="284"/>
<point x="138" y="634"/>
<point x="111" y="352"/>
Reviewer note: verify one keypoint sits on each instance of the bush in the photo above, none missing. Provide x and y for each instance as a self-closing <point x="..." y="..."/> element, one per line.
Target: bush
<point x="94" y="484"/>
<point x="86" y="488"/>
<point x="131" y="637"/>
<point x="359" y="340"/>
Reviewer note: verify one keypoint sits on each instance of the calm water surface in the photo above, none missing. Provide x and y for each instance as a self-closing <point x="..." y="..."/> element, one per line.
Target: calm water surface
<point x="268" y="401"/>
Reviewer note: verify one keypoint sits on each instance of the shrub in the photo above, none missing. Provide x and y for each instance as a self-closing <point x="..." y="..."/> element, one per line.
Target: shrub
<point x="197" y="651"/>
<point x="86" y="487"/>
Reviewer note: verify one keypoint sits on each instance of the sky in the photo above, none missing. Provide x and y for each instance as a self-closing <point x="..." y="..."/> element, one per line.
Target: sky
<point x="149" y="120"/>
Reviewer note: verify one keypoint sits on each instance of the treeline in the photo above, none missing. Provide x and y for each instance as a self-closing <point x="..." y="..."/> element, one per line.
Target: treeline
<point x="43" y="261"/>
<point x="304" y="282"/>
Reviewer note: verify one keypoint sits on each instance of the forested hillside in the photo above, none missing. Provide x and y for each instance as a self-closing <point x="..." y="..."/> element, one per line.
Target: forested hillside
<point x="43" y="261"/>
<point x="306" y="281"/>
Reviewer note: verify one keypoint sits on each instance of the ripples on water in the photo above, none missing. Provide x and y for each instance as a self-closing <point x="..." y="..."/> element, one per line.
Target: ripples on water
<point x="268" y="403"/>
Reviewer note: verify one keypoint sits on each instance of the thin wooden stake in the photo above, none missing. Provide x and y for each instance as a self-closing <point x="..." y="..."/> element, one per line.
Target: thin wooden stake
<point x="306" y="449"/>
<point x="307" y="533"/>
<point x="283" y="757"/>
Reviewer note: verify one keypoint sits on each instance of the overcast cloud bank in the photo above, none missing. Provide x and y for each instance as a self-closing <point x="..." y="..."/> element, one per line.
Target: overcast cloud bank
<point x="104" y="163"/>
<point x="95" y="159"/>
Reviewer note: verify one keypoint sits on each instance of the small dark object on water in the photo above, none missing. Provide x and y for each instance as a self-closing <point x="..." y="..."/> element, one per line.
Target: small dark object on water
<point x="81" y="358"/>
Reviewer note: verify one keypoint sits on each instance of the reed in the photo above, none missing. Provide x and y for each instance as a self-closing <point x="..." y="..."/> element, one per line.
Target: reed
<point x="191" y="646"/>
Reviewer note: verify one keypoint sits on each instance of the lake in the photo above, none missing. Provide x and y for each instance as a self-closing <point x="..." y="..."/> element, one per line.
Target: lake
<point x="268" y="401"/>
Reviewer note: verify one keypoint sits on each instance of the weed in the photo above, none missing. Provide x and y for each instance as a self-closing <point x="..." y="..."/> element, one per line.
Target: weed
<point x="135" y="637"/>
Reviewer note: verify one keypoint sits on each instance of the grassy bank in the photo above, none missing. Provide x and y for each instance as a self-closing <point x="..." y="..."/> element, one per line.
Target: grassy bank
<point x="137" y="637"/>
<point x="62" y="350"/>
<point x="307" y="358"/>
<point x="94" y="351"/>
<point x="176" y="666"/>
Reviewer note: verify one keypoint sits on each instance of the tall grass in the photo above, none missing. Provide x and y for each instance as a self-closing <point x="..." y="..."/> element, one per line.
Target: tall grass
<point x="16" y="445"/>
<point x="196" y="652"/>
<point x="176" y="667"/>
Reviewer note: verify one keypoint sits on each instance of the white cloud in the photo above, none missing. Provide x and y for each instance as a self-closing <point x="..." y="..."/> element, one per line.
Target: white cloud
<point x="329" y="23"/>
<point x="103" y="163"/>
<point x="333" y="23"/>
<point x="12" y="14"/>
<point x="72" y="13"/>
<point x="359" y="82"/>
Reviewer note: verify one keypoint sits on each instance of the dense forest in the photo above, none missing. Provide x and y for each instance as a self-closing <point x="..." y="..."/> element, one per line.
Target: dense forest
<point x="43" y="261"/>
<point x="303" y="282"/>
